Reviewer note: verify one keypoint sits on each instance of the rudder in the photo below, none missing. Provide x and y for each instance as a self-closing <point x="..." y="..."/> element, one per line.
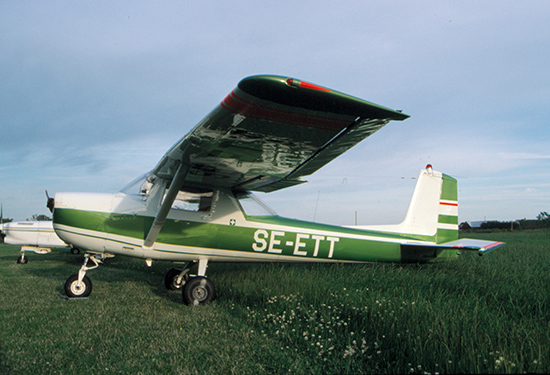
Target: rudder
<point x="447" y="222"/>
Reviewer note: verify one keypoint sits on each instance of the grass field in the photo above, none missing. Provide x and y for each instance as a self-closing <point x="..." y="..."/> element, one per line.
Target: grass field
<point x="477" y="315"/>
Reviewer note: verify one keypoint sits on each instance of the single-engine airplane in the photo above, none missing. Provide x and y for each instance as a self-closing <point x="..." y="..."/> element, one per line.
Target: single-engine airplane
<point x="36" y="236"/>
<point x="196" y="205"/>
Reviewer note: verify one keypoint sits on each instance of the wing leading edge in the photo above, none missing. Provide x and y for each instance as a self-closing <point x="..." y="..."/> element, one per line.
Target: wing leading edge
<point x="269" y="132"/>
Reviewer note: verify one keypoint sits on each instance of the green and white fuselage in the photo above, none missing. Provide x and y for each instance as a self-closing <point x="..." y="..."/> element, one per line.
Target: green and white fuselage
<point x="223" y="230"/>
<point x="195" y="205"/>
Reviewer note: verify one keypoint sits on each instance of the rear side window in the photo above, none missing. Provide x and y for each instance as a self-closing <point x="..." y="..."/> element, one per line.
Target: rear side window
<point x="192" y="201"/>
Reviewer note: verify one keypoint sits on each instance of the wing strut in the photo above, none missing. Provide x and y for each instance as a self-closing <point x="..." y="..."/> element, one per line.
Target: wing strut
<point x="160" y="219"/>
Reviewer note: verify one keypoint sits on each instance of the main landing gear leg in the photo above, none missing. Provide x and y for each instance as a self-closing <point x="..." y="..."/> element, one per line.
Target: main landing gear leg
<point x="22" y="259"/>
<point x="177" y="277"/>
<point x="197" y="289"/>
<point x="80" y="285"/>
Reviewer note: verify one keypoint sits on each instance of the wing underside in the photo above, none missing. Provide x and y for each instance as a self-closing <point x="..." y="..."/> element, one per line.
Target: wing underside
<point x="269" y="132"/>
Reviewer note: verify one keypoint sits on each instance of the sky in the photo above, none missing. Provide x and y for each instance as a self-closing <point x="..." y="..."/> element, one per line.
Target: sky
<point x="93" y="93"/>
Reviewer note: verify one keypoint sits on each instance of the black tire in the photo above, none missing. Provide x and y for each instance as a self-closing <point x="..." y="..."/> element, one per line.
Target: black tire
<point x="198" y="290"/>
<point x="72" y="289"/>
<point x="75" y="251"/>
<point x="170" y="279"/>
<point x="22" y="260"/>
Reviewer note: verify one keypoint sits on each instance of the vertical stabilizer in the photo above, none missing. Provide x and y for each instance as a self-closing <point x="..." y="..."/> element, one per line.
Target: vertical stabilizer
<point x="433" y="211"/>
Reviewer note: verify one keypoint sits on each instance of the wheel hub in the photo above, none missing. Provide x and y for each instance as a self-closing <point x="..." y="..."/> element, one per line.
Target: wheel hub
<point x="77" y="287"/>
<point x="199" y="293"/>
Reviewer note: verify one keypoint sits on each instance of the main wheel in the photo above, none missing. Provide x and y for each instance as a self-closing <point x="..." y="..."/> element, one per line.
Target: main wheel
<point x="22" y="260"/>
<point x="75" y="289"/>
<point x="75" y="251"/>
<point x="171" y="279"/>
<point x="198" y="290"/>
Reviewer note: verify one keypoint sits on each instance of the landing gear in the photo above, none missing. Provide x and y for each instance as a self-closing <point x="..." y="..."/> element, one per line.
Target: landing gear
<point x="196" y="289"/>
<point x="75" y="288"/>
<point x="176" y="278"/>
<point x="35" y="249"/>
<point x="172" y="281"/>
<point x="80" y="285"/>
<point x="75" y="251"/>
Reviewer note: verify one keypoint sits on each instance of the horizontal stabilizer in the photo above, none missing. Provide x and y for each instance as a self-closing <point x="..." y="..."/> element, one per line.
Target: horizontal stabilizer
<point x="483" y="247"/>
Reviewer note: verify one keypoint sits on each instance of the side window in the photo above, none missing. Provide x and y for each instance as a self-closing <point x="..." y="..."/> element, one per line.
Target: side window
<point x="253" y="206"/>
<point x="194" y="202"/>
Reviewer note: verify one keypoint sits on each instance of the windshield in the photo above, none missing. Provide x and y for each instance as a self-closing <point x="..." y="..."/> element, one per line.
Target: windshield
<point x="141" y="186"/>
<point x="253" y="206"/>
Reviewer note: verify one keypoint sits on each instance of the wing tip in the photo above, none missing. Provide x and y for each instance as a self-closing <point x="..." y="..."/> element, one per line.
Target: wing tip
<point x="489" y="248"/>
<point x="277" y="88"/>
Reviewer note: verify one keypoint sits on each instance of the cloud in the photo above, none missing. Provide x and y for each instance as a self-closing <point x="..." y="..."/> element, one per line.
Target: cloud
<point x="94" y="93"/>
<point x="524" y="156"/>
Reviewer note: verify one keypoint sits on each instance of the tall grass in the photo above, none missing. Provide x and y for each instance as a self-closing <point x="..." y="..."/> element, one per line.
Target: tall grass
<point x="477" y="315"/>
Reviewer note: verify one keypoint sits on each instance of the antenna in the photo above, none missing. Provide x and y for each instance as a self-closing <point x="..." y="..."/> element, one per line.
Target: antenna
<point x="316" y="204"/>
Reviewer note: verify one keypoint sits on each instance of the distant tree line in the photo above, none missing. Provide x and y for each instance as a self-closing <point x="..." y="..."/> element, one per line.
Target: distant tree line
<point x="542" y="221"/>
<point x="35" y="217"/>
<point x="40" y="218"/>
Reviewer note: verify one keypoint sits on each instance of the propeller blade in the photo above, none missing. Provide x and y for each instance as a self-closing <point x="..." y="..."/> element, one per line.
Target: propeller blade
<point x="2" y="235"/>
<point x="50" y="202"/>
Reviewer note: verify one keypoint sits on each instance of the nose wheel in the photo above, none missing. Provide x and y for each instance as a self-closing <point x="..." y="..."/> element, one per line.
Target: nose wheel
<point x="79" y="285"/>
<point x="75" y="288"/>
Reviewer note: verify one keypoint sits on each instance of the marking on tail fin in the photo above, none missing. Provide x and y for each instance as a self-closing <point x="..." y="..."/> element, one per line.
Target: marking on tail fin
<point x="448" y="203"/>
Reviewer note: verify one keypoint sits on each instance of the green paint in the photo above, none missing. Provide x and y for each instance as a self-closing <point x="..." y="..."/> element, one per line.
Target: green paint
<point x="446" y="235"/>
<point x="449" y="189"/>
<point x="446" y="219"/>
<point x="297" y="238"/>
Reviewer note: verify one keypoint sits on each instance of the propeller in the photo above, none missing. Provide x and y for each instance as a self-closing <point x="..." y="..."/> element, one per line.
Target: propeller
<point x="2" y="235"/>
<point x="50" y="202"/>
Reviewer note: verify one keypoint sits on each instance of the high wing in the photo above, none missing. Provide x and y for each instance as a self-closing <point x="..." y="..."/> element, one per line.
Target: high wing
<point x="265" y="135"/>
<point x="269" y="132"/>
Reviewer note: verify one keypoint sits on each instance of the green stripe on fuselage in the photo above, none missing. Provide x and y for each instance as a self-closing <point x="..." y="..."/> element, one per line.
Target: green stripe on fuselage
<point x="273" y="235"/>
<point x="307" y="225"/>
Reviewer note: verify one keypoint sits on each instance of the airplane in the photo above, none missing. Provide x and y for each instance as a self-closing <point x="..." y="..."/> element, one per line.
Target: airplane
<point x="36" y="236"/>
<point x="197" y="205"/>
